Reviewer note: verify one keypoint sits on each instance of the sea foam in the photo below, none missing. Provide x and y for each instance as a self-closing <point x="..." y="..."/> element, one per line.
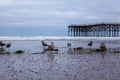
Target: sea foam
<point x="55" y="38"/>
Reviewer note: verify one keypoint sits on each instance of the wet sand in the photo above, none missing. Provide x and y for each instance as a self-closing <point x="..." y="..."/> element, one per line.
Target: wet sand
<point x="61" y="65"/>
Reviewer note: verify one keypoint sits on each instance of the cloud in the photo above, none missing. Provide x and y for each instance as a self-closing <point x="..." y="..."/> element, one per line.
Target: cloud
<point x="24" y="2"/>
<point x="54" y="15"/>
<point x="54" y="12"/>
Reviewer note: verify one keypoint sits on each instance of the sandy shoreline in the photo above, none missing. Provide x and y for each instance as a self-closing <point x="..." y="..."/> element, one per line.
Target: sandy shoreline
<point x="61" y="66"/>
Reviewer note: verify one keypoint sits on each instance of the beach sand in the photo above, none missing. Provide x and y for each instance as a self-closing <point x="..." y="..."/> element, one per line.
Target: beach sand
<point x="61" y="65"/>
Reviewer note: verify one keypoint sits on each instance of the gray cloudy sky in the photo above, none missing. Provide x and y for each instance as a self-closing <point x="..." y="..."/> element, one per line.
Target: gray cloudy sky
<point x="57" y="14"/>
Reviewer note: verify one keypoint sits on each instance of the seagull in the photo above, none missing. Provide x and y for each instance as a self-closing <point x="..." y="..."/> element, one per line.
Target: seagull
<point x="44" y="44"/>
<point x="69" y="44"/>
<point x="2" y="44"/>
<point x="8" y="45"/>
<point x="90" y="44"/>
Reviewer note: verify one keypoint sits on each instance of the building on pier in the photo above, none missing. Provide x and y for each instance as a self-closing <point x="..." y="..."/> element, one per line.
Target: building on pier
<point x="95" y="30"/>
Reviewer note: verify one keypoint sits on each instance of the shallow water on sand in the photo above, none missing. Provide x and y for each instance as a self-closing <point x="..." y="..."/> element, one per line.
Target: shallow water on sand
<point x="35" y="46"/>
<point x="61" y="65"/>
<point x="51" y="66"/>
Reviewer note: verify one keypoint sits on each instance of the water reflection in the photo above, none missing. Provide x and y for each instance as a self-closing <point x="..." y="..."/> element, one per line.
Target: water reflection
<point x="111" y="45"/>
<point x="102" y="54"/>
<point x="115" y="50"/>
<point x="109" y="50"/>
<point x="51" y="64"/>
<point x="51" y="56"/>
<point x="4" y="51"/>
<point x="70" y="51"/>
<point x="35" y="47"/>
<point x="114" y="46"/>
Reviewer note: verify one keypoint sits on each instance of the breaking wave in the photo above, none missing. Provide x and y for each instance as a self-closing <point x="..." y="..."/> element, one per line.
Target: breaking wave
<point x="55" y="38"/>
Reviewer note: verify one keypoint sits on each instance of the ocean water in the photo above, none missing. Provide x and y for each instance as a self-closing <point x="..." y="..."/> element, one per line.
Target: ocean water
<point x="32" y="31"/>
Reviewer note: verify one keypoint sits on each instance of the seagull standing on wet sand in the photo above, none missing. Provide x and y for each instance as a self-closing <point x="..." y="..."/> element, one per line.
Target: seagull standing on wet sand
<point x="90" y="44"/>
<point x="8" y="46"/>
<point x="2" y="44"/>
<point x="69" y="44"/>
<point x="69" y="47"/>
<point x="44" y="45"/>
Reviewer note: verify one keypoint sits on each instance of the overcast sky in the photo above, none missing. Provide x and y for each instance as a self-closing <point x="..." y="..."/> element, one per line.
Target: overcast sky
<point x="57" y="14"/>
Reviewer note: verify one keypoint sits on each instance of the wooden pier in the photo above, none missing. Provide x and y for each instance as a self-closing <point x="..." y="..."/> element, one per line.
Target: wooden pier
<point x="95" y="30"/>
